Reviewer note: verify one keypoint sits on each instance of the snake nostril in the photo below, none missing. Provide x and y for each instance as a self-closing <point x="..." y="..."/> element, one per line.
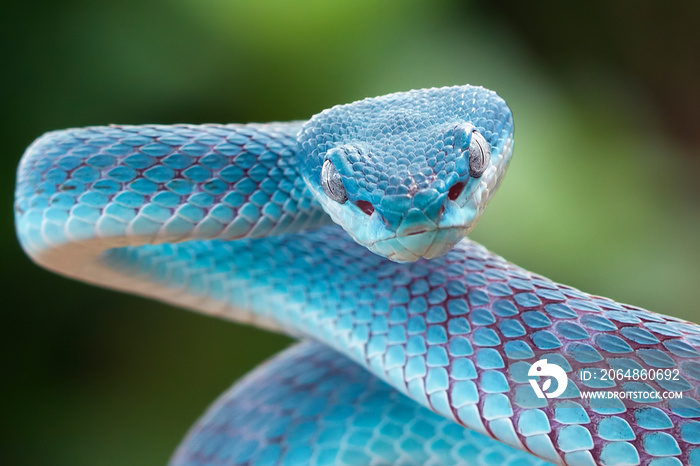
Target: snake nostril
<point x="365" y="207"/>
<point x="455" y="190"/>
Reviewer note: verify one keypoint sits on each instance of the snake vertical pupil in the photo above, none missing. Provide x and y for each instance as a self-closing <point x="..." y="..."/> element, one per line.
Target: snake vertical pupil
<point x="479" y="155"/>
<point x="332" y="184"/>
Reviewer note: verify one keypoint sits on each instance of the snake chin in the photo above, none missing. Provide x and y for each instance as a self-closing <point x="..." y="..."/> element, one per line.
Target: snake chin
<point x="427" y="244"/>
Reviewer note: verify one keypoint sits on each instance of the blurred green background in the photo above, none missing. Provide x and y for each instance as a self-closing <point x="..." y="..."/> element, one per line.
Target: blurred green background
<point x="602" y="192"/>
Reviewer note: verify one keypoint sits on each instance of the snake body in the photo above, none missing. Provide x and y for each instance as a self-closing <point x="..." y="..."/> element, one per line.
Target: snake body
<point x="237" y="221"/>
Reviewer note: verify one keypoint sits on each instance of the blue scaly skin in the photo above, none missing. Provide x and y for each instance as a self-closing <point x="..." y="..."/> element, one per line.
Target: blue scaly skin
<point x="229" y="220"/>
<point x="310" y="405"/>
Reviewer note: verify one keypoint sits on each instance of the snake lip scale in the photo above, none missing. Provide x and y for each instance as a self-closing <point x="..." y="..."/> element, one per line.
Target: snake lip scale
<point x="347" y="231"/>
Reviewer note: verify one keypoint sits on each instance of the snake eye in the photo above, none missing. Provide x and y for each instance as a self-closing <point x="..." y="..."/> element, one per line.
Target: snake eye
<point x="479" y="155"/>
<point x="332" y="184"/>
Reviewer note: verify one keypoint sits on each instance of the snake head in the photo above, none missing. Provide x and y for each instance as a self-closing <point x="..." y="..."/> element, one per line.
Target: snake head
<point x="408" y="175"/>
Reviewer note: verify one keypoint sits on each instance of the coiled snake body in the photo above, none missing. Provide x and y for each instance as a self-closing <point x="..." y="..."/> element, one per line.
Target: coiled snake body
<point x="236" y="221"/>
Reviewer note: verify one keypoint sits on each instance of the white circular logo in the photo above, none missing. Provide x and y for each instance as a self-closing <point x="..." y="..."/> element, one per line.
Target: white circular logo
<point x="552" y="371"/>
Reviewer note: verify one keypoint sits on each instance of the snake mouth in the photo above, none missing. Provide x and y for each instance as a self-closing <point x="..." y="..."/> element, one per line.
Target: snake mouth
<point x="421" y="243"/>
<point x="417" y="232"/>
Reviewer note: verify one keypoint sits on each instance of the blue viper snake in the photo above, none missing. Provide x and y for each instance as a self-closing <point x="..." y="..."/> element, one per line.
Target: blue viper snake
<point x="347" y="231"/>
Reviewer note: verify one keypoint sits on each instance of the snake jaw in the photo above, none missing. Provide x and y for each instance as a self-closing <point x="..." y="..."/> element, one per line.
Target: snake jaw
<point x="426" y="244"/>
